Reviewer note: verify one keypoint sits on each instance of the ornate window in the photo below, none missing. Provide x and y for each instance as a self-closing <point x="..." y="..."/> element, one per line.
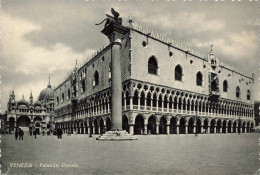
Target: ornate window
<point x="237" y="91"/>
<point x="178" y="73"/>
<point x="58" y="100"/>
<point x="83" y="87"/>
<point x="199" y="79"/>
<point x="68" y="97"/>
<point x="96" y="79"/>
<point x="214" y="86"/>
<point x="62" y="97"/>
<point x="152" y="65"/>
<point x="248" y="95"/>
<point x="225" y="86"/>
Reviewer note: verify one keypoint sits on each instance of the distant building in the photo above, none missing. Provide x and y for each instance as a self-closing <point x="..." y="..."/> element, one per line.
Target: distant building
<point x="257" y="113"/>
<point x="168" y="88"/>
<point x="2" y="123"/>
<point x="32" y="115"/>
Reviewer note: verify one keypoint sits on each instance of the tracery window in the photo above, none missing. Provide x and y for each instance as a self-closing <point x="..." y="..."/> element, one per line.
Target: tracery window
<point x="152" y="65"/>
<point x="178" y="73"/>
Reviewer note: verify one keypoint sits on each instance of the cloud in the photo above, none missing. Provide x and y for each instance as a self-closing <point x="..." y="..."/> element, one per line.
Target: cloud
<point x="27" y="67"/>
<point x="46" y="37"/>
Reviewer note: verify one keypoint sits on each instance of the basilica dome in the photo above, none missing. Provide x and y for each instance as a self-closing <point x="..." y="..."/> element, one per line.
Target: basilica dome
<point x="47" y="94"/>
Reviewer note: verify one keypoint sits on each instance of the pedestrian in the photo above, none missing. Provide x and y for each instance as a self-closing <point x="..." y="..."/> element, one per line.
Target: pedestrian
<point x="30" y="132"/>
<point x="35" y="134"/>
<point x="21" y="133"/>
<point x="42" y="133"/>
<point x="16" y="134"/>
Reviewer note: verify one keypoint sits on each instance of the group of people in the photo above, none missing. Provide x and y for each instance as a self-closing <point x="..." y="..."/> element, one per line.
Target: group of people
<point x="19" y="132"/>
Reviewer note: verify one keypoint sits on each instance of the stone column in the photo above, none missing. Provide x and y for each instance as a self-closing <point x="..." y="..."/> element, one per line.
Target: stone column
<point x="151" y="104"/>
<point x="88" y="130"/>
<point x="131" y="102"/>
<point x="115" y="32"/>
<point x="145" y="129"/>
<point x="125" y="103"/>
<point x="98" y="129"/>
<point x="131" y="129"/>
<point x="186" y="129"/>
<point x="177" y="129"/>
<point x="168" y="129"/>
<point x="145" y="103"/>
<point x="168" y="106"/>
<point x="201" y="129"/>
<point x="194" y="129"/>
<point x="138" y="102"/>
<point x="93" y="129"/>
<point x="157" y="128"/>
<point x="157" y="104"/>
<point x="215" y="129"/>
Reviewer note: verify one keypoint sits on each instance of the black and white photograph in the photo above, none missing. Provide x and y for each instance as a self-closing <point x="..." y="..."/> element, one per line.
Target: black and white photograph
<point x="167" y="87"/>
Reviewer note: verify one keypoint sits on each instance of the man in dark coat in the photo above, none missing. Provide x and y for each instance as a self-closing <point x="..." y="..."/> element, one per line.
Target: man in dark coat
<point x="59" y="133"/>
<point x="16" y="134"/>
<point x="35" y="134"/>
<point x="21" y="133"/>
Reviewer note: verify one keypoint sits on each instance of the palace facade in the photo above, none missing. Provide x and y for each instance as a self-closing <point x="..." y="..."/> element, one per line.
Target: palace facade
<point x="31" y="115"/>
<point x="168" y="88"/>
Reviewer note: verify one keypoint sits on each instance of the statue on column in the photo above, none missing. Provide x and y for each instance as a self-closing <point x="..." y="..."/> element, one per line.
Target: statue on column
<point x="112" y="19"/>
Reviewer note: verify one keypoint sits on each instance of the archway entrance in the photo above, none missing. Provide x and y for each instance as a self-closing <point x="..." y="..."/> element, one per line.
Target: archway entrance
<point x="23" y="121"/>
<point x="229" y="127"/>
<point x="212" y="126"/>
<point x="248" y="127"/>
<point x="224" y="128"/>
<point x="234" y="127"/>
<point x="206" y="125"/>
<point x="191" y="126"/>
<point x="163" y="126"/>
<point x="239" y="127"/>
<point x="125" y="124"/>
<point x="218" y="126"/>
<point x="173" y="126"/>
<point x="198" y="126"/>
<point x="91" y="127"/>
<point x="109" y="124"/>
<point x="101" y="124"/>
<point x="139" y="124"/>
<point x="96" y="126"/>
<point x="252" y="126"/>
<point x="151" y="125"/>
<point x="244" y="127"/>
<point x="182" y="126"/>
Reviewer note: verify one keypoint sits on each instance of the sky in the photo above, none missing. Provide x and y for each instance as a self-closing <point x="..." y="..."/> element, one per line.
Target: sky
<point x="41" y="38"/>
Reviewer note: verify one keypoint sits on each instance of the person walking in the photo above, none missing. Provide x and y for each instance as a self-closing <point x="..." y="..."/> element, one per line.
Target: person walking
<point x="35" y="134"/>
<point x="43" y="133"/>
<point x="16" y="134"/>
<point x="21" y="133"/>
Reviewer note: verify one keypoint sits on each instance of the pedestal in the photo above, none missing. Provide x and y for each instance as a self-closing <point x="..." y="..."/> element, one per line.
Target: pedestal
<point x="116" y="136"/>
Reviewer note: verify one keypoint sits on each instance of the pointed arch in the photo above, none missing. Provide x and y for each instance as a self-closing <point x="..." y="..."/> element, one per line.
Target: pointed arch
<point x="152" y="65"/>
<point x="199" y="78"/>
